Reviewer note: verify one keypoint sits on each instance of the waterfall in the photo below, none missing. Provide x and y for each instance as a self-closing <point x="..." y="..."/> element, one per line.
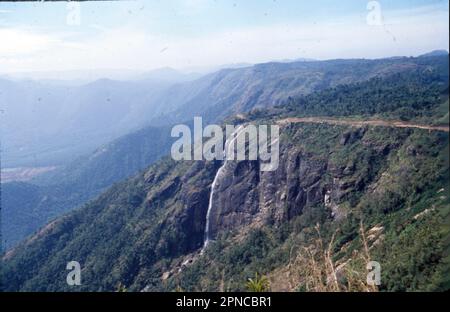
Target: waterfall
<point x="228" y="150"/>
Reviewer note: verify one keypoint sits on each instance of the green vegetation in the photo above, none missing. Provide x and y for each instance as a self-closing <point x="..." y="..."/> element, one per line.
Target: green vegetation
<point x="417" y="95"/>
<point x="137" y="230"/>
<point x="418" y="92"/>
<point x="258" y="284"/>
<point x="342" y="196"/>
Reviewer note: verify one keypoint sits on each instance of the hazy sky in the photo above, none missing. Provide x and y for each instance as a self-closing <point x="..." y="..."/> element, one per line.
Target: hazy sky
<point x="143" y="35"/>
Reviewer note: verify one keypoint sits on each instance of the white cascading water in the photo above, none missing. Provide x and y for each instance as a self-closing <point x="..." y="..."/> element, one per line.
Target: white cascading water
<point x="228" y="150"/>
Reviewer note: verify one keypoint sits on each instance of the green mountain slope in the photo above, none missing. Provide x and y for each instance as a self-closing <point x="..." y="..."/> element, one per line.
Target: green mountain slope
<point x="24" y="211"/>
<point x="377" y="186"/>
<point x="144" y="229"/>
<point x="214" y="97"/>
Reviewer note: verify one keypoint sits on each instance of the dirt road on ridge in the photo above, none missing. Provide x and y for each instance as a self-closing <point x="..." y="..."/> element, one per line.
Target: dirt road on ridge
<point x="360" y="123"/>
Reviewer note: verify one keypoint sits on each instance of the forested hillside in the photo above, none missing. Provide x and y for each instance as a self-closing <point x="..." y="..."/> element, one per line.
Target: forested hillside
<point x="342" y="194"/>
<point x="214" y="97"/>
<point x="26" y="206"/>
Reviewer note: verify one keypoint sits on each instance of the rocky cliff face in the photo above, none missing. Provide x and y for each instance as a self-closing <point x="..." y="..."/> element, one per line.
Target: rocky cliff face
<point x="328" y="175"/>
<point x="153" y="225"/>
<point x="245" y="195"/>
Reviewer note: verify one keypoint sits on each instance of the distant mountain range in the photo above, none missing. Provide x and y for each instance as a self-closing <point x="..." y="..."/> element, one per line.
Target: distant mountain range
<point x="46" y="125"/>
<point x="79" y="77"/>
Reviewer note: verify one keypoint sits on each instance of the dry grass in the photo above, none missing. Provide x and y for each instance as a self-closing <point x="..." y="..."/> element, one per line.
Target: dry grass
<point x="314" y="268"/>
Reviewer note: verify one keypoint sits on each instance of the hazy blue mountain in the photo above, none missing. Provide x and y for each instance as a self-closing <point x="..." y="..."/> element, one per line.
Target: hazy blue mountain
<point x="167" y="74"/>
<point x="436" y="53"/>
<point x="81" y="76"/>
<point x="47" y="124"/>
<point x="231" y="91"/>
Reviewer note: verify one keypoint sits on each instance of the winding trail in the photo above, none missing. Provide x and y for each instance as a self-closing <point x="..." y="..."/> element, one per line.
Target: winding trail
<point x="360" y="123"/>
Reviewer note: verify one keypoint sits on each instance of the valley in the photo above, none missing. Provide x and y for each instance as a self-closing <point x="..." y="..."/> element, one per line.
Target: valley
<point x="362" y="177"/>
<point x="96" y="164"/>
<point x="204" y="154"/>
<point x="23" y="174"/>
